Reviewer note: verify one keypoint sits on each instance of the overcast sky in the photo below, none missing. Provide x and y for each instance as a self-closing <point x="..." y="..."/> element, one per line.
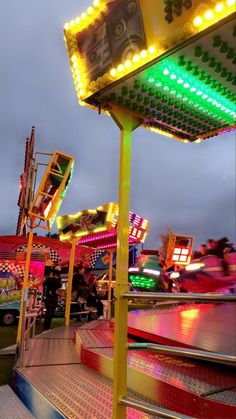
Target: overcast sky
<point x="190" y="187"/>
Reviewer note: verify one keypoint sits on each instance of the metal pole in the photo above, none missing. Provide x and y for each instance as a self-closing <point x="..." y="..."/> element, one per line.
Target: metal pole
<point x="26" y="275"/>
<point x="109" y="286"/>
<point x="69" y="283"/>
<point x="22" y="337"/>
<point x="127" y="123"/>
<point x="158" y="411"/>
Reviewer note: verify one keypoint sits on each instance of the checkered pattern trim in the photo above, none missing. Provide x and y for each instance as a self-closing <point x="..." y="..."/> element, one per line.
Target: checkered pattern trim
<point x="53" y="254"/>
<point x="94" y="257"/>
<point x="16" y="270"/>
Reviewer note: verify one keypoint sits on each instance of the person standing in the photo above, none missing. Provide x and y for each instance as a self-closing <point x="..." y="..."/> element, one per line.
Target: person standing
<point x="51" y="284"/>
<point x="80" y="288"/>
<point x="92" y="298"/>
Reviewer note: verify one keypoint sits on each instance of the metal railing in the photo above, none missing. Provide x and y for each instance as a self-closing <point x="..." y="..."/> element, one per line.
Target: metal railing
<point x="191" y="353"/>
<point x="188" y="353"/>
<point x="208" y="297"/>
<point x="152" y="410"/>
<point x="31" y="312"/>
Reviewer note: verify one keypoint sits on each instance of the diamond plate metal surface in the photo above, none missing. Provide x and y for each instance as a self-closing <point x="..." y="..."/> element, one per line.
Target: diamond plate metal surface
<point x="97" y="338"/>
<point x="227" y="396"/>
<point x="197" y="377"/>
<point x="63" y="332"/>
<point x="10" y="405"/>
<point x="98" y="324"/>
<point x="211" y="327"/>
<point x="51" y="352"/>
<point x="78" y="392"/>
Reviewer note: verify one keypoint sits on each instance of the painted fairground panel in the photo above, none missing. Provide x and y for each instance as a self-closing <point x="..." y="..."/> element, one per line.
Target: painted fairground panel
<point x="11" y="279"/>
<point x="52" y="189"/>
<point x="98" y="227"/>
<point x="171" y="63"/>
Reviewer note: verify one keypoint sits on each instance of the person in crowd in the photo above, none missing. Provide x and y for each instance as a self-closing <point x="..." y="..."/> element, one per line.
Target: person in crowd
<point x="212" y="247"/>
<point x="219" y="247"/>
<point x="92" y="298"/>
<point x="200" y="252"/>
<point x="80" y="288"/>
<point x="51" y="284"/>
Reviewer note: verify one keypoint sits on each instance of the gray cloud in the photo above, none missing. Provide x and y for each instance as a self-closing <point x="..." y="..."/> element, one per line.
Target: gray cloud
<point x="191" y="187"/>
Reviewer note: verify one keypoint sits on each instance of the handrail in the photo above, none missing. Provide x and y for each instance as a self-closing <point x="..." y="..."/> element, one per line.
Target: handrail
<point x="186" y="352"/>
<point x="191" y="353"/>
<point x="151" y="409"/>
<point x="27" y="325"/>
<point x="214" y="297"/>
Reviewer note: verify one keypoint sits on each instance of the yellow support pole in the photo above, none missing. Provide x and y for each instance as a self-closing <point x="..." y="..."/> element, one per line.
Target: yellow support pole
<point x="127" y="123"/>
<point x="109" y="286"/>
<point x="25" y="283"/>
<point x="69" y="283"/>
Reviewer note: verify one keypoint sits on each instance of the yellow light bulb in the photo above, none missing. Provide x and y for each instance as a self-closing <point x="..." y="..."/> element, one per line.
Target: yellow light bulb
<point x="143" y="53"/>
<point x="77" y="20"/>
<point x="136" y="58"/>
<point x="96" y="3"/>
<point x="128" y="63"/>
<point x="197" y="21"/>
<point x="73" y="58"/>
<point x="120" y="68"/>
<point x="84" y="16"/>
<point x="75" y="64"/>
<point x="72" y="23"/>
<point x="230" y="2"/>
<point x="219" y="7"/>
<point x="66" y="26"/>
<point x="113" y="72"/>
<point x="151" y="49"/>
<point x="90" y="10"/>
<point x="199" y="140"/>
<point x="208" y="14"/>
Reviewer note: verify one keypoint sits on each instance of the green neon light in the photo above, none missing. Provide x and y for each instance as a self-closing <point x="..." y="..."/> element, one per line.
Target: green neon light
<point x="140" y="281"/>
<point x="192" y="91"/>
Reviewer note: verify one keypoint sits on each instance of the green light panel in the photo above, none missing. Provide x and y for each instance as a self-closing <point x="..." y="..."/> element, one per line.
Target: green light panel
<point x="140" y="281"/>
<point x="191" y="93"/>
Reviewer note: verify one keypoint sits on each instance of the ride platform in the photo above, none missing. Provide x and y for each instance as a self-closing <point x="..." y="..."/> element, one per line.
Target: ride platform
<point x="209" y="327"/>
<point x="55" y="384"/>
<point x="68" y="371"/>
<point x="193" y="388"/>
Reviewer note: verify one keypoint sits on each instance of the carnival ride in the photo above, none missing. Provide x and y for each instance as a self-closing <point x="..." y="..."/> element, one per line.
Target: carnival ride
<point x="207" y="274"/>
<point x="97" y="228"/>
<point x="168" y="66"/>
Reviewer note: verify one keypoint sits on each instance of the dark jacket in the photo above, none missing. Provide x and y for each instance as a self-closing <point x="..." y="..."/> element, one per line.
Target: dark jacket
<point x="51" y="285"/>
